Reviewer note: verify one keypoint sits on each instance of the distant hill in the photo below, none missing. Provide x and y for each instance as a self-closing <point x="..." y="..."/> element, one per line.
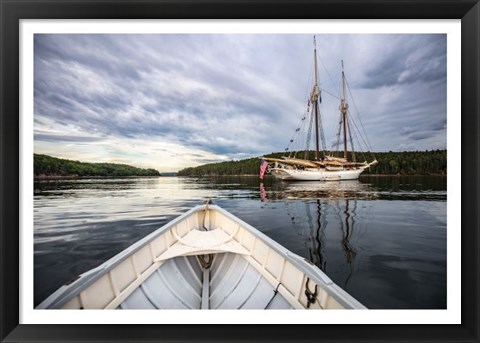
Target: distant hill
<point x="45" y="166"/>
<point x="432" y="162"/>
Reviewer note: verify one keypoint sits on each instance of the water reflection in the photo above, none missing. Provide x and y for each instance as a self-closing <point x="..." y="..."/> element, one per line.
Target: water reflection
<point x="321" y="190"/>
<point x="383" y="238"/>
<point x="369" y="188"/>
<point x="317" y="230"/>
<point x="321" y="201"/>
<point x="263" y="192"/>
<point x="347" y="225"/>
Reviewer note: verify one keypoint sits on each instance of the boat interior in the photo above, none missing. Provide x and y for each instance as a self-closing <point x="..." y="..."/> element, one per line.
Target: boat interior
<point x="230" y="282"/>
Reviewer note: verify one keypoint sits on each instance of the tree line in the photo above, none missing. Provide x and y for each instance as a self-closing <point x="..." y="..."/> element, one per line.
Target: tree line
<point x="429" y="162"/>
<point x="44" y="165"/>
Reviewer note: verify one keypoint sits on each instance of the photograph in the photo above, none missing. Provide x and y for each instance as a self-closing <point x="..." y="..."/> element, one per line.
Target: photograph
<point x="240" y="171"/>
<point x="225" y="172"/>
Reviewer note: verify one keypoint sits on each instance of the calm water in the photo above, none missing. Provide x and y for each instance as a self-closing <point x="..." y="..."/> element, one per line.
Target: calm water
<point x="382" y="239"/>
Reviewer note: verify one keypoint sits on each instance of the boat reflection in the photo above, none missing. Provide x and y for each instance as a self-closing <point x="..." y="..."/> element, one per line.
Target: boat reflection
<point x="323" y="218"/>
<point x="319" y="212"/>
<point x="319" y="190"/>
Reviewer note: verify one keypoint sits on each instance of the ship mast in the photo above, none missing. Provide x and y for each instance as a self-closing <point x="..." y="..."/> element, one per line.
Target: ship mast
<point x="343" y="109"/>
<point x="314" y="100"/>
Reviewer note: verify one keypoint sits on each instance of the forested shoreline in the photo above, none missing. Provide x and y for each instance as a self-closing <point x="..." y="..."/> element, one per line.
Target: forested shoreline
<point x="433" y="162"/>
<point x="45" y="166"/>
<point x="430" y="162"/>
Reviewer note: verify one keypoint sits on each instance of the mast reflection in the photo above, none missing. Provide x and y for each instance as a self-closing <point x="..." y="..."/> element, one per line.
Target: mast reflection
<point x="317" y="234"/>
<point x="317" y="210"/>
<point x="347" y="226"/>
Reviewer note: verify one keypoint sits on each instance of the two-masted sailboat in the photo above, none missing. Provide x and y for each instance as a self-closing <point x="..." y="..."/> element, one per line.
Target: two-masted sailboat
<point x="325" y="165"/>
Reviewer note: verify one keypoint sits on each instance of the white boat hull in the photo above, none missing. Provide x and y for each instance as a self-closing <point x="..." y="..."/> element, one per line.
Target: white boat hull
<point x="204" y="259"/>
<point x="309" y="174"/>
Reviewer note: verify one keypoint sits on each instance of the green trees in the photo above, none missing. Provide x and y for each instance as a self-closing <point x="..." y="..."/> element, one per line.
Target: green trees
<point x="243" y="167"/>
<point x="389" y="163"/>
<point x="410" y="163"/>
<point x="44" y="165"/>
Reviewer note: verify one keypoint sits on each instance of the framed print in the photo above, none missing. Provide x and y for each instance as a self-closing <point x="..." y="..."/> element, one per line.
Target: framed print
<point x="160" y="179"/>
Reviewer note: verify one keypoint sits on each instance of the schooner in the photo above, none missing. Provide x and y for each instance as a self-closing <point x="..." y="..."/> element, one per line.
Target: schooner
<point x="325" y="166"/>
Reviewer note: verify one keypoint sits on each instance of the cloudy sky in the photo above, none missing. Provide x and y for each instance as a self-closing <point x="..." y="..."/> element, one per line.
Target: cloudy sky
<point x="169" y="101"/>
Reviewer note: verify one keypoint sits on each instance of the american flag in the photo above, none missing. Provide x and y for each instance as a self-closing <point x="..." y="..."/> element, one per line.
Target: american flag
<point x="263" y="168"/>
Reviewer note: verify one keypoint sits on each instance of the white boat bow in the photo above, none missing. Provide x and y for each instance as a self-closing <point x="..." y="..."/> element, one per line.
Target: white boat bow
<point x="204" y="259"/>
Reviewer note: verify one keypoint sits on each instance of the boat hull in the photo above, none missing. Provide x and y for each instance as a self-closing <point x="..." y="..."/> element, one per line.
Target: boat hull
<point x="315" y="174"/>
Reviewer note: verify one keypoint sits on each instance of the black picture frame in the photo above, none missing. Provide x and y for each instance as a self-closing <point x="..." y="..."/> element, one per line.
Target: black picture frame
<point x="12" y="11"/>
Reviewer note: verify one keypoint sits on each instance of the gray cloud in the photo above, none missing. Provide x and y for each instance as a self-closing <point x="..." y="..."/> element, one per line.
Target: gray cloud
<point x="65" y="138"/>
<point x="235" y="95"/>
<point x="420" y="136"/>
<point x="416" y="58"/>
